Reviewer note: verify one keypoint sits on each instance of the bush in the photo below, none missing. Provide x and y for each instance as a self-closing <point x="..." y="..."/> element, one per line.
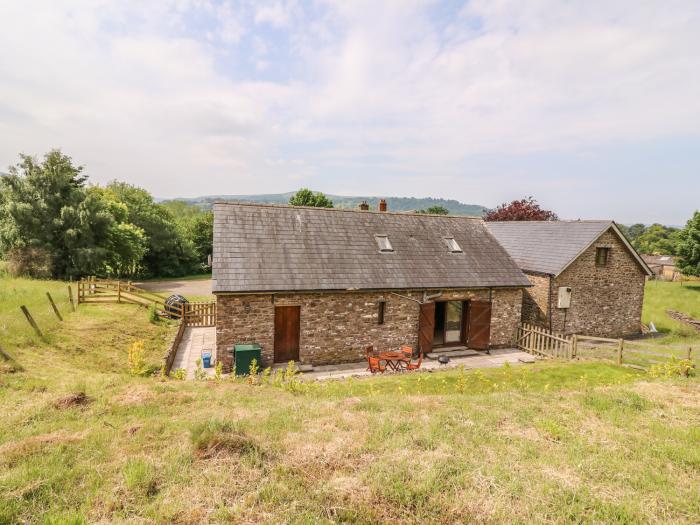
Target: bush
<point x="137" y="360"/>
<point x="674" y="367"/>
<point x="29" y="262"/>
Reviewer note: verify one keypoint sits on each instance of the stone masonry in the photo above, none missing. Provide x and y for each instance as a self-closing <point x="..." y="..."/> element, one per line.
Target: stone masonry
<point x="336" y="326"/>
<point x="606" y="301"/>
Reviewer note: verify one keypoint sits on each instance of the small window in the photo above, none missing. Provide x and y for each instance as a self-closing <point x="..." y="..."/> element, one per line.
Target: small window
<point x="384" y="243"/>
<point x="381" y="308"/>
<point x="601" y="256"/>
<point x="452" y="245"/>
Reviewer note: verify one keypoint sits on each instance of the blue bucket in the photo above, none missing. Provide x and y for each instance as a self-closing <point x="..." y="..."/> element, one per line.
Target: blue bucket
<point x="206" y="360"/>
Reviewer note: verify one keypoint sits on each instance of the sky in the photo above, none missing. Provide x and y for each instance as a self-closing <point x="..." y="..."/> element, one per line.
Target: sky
<point x="592" y="107"/>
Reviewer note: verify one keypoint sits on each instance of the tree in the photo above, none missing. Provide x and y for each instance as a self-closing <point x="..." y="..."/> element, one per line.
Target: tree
<point x="520" y="210"/>
<point x="657" y="239"/>
<point x="435" y="210"/>
<point x="46" y="209"/>
<point x="305" y="197"/>
<point x="170" y="252"/>
<point x="688" y="247"/>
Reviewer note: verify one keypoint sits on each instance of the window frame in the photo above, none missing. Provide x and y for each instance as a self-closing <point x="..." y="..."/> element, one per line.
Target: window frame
<point x="381" y="312"/>
<point x="451" y="247"/>
<point x="389" y="248"/>
<point x="603" y="261"/>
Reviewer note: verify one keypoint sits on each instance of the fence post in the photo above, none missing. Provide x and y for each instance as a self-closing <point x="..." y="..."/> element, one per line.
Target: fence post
<point x="620" y="346"/>
<point x="574" y="346"/>
<point x="690" y="351"/>
<point x="53" y="305"/>
<point x="119" y="291"/>
<point x="30" y="320"/>
<point x="70" y="298"/>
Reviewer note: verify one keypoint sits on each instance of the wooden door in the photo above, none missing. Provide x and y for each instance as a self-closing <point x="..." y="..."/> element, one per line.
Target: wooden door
<point x="426" y="327"/>
<point x="287" y="333"/>
<point x="479" y="330"/>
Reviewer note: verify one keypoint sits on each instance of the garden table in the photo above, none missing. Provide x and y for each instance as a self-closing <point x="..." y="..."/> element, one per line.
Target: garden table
<point x="394" y="360"/>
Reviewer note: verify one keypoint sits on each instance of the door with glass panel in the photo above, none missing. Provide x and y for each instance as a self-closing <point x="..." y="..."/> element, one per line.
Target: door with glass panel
<point x="449" y="323"/>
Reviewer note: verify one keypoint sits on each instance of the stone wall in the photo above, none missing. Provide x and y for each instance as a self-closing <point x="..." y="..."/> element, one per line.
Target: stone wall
<point x="536" y="300"/>
<point x="606" y="301"/>
<point x="335" y="327"/>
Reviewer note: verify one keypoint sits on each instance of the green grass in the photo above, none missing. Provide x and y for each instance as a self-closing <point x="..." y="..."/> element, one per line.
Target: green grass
<point x="546" y="443"/>
<point x="661" y="296"/>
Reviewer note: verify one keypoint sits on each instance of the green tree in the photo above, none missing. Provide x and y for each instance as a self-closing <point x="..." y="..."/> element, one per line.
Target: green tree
<point x="45" y="208"/>
<point x="657" y="239"/>
<point x="202" y="235"/>
<point x="435" y="210"/>
<point x="170" y="252"/>
<point x="305" y="197"/>
<point x="688" y="247"/>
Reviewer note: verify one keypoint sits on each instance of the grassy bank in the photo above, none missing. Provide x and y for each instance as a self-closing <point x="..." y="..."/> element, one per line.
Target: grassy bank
<point x="551" y="442"/>
<point x="661" y="296"/>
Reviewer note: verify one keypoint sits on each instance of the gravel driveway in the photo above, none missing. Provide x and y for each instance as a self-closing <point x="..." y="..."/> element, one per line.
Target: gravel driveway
<point x="182" y="287"/>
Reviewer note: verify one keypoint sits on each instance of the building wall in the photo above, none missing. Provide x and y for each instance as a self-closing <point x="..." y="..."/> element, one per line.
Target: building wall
<point x="335" y="327"/>
<point x="536" y="300"/>
<point x="605" y="301"/>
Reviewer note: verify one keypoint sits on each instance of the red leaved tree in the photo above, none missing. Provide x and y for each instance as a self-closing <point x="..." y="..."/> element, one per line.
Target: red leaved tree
<point x="523" y="210"/>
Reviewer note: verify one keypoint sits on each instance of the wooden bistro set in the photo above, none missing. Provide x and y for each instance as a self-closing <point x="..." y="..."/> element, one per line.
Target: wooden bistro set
<point x="392" y="361"/>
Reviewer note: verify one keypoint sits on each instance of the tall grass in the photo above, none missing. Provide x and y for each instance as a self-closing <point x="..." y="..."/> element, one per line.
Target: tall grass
<point x="14" y="328"/>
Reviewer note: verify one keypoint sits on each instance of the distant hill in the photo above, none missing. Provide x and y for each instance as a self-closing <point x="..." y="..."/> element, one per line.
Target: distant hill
<point x="341" y="201"/>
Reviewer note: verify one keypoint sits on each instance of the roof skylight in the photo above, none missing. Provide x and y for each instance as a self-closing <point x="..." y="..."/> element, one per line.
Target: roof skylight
<point x="384" y="243"/>
<point x="452" y="245"/>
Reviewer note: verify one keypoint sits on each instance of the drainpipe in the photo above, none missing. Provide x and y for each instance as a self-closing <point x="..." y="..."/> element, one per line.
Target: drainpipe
<point x="549" y="303"/>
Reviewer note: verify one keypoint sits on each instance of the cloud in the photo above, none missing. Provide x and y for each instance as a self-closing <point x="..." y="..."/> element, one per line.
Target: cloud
<point x="198" y="96"/>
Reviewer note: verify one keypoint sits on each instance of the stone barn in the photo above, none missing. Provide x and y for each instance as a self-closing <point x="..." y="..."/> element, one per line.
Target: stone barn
<point x="587" y="278"/>
<point x="317" y="285"/>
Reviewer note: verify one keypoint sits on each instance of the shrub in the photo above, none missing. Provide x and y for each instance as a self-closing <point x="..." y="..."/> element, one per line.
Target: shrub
<point x="153" y="316"/>
<point x="137" y="359"/>
<point x="180" y="374"/>
<point x="29" y="262"/>
<point x="673" y="367"/>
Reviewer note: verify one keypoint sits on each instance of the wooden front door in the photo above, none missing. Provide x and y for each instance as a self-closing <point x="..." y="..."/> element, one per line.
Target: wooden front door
<point x="287" y="333"/>
<point x="479" y="325"/>
<point x="426" y="327"/>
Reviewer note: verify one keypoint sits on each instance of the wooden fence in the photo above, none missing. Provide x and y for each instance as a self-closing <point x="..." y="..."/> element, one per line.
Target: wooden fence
<point x="540" y="341"/>
<point x="93" y="290"/>
<point x="628" y="352"/>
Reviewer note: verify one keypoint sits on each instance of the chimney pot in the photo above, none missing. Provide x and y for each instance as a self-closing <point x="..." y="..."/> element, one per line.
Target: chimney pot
<point x="382" y="205"/>
<point x="364" y="206"/>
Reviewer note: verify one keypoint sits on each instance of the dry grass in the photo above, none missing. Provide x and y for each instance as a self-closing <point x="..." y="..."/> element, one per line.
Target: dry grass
<point x="545" y="443"/>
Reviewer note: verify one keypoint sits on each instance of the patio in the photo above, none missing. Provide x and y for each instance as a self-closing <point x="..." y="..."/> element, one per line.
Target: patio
<point x="496" y="358"/>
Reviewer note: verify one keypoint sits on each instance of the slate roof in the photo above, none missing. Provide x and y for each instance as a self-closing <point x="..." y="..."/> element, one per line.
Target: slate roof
<point x="282" y="248"/>
<point x="550" y="246"/>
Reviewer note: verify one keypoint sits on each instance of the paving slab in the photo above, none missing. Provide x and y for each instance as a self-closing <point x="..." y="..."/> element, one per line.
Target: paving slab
<point x="195" y="342"/>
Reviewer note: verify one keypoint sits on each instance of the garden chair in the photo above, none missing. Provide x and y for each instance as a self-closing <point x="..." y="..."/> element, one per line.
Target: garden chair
<point x="416" y="365"/>
<point x="375" y="365"/>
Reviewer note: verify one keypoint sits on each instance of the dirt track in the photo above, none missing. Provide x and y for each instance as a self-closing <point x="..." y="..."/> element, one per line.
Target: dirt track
<point x="183" y="287"/>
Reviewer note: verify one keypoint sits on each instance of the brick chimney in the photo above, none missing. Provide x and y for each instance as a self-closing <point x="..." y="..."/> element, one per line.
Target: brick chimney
<point x="382" y="205"/>
<point x="364" y="206"/>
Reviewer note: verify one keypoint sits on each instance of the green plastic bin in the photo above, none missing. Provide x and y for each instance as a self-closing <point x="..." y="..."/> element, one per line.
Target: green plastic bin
<point x="243" y="355"/>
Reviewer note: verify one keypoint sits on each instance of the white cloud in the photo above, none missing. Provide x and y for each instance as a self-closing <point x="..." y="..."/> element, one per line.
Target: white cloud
<point x="189" y="97"/>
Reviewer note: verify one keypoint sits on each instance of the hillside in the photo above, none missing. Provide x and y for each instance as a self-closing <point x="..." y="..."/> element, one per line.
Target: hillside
<point x="83" y="441"/>
<point x="340" y="201"/>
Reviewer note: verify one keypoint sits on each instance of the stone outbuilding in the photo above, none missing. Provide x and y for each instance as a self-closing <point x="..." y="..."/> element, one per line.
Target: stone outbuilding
<point x="587" y="278"/>
<point x="317" y="285"/>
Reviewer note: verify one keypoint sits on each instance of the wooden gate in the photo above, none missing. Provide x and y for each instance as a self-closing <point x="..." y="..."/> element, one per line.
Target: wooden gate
<point x="200" y="314"/>
<point x="479" y="328"/>
<point x="540" y="341"/>
<point x="426" y="327"/>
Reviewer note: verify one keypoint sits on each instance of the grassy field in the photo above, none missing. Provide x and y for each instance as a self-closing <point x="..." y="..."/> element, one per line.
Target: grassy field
<point x="661" y="296"/>
<point x="546" y="443"/>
